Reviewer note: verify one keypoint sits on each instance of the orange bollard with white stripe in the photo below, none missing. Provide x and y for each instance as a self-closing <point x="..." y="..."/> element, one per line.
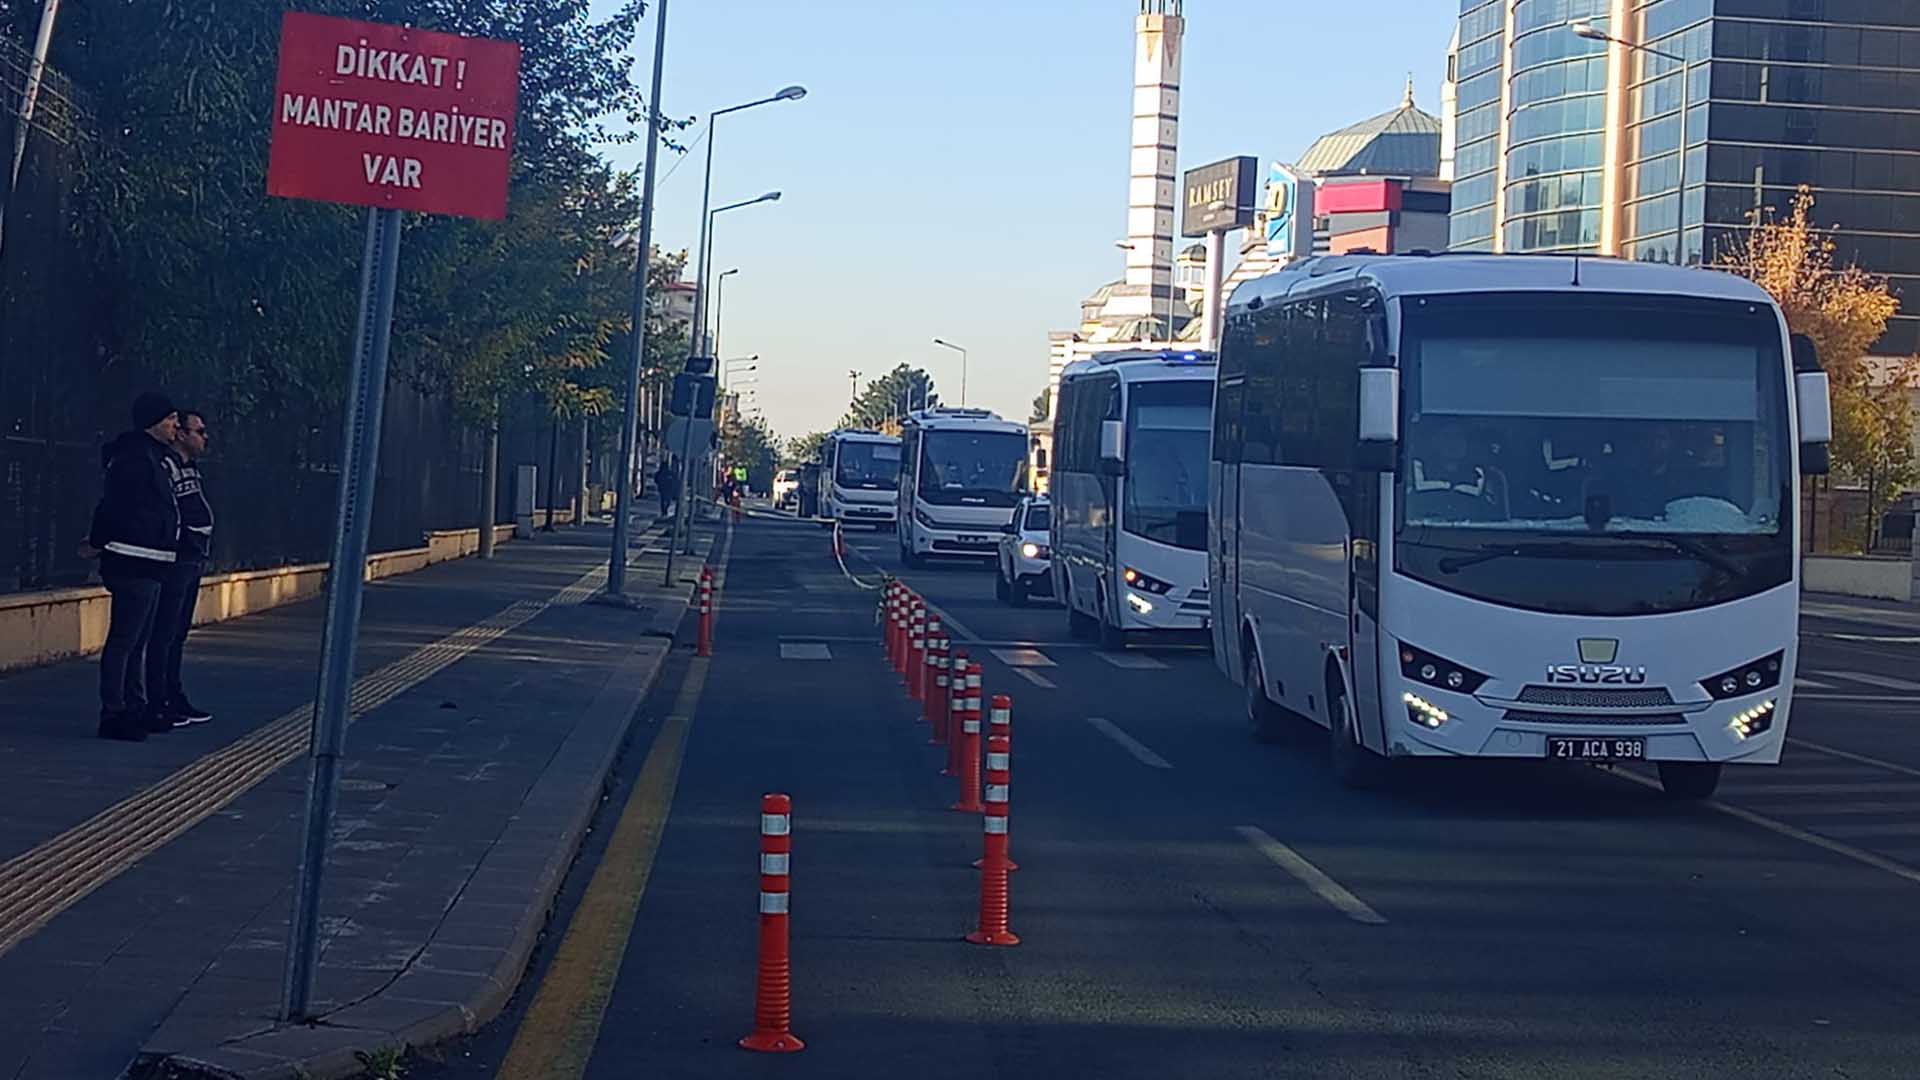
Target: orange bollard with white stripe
<point x="968" y="752"/>
<point x="927" y="664"/>
<point x="936" y="709"/>
<point x="956" y="698"/>
<point x="773" y="986"/>
<point x="902" y="612"/>
<point x="1000" y="726"/>
<point x="995" y="895"/>
<point x="705" y="645"/>
<point x="917" y="651"/>
<point x="970" y="710"/>
<point x="891" y="617"/>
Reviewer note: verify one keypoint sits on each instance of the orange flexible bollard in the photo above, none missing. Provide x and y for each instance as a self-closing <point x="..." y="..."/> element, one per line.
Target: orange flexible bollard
<point x="916" y="651"/>
<point x="705" y="646"/>
<point x="995" y="894"/>
<point x="928" y="664"/>
<point x="969" y="758"/>
<point x="956" y="703"/>
<point x="1000" y="726"/>
<point x="773" y="985"/>
<point x="939" y="702"/>
<point x="970" y="709"/>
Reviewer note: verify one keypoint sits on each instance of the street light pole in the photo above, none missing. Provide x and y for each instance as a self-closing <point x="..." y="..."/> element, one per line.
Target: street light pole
<point x="963" y="367"/>
<point x="630" y="427"/>
<point x="1584" y="28"/>
<point x="791" y="93"/>
<point x="719" y="306"/>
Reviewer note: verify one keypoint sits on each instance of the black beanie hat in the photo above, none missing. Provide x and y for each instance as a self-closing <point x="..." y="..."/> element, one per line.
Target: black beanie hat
<point x="149" y="409"/>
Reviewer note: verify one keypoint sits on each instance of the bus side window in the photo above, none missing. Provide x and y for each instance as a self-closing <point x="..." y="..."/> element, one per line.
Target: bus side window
<point x="1260" y="427"/>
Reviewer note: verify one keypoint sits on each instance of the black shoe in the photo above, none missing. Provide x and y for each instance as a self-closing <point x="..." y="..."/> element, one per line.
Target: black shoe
<point x="183" y="713"/>
<point x="121" y="726"/>
<point x="157" y="721"/>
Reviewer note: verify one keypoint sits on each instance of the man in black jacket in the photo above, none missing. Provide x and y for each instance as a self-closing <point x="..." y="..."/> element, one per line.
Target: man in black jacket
<point x="136" y="528"/>
<point x="181" y="590"/>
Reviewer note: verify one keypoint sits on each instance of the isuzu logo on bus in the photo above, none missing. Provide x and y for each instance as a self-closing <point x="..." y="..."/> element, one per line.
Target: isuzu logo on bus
<point x="1597" y="656"/>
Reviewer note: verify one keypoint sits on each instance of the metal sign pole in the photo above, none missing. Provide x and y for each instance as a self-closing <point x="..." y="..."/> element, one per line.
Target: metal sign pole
<point x="360" y="453"/>
<point x="681" y="504"/>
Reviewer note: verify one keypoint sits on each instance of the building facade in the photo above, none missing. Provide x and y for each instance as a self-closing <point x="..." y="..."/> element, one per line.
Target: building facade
<point x="1560" y="143"/>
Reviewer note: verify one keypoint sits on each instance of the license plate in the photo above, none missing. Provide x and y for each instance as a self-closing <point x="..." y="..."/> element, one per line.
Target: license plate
<point x="975" y="540"/>
<point x="1592" y="749"/>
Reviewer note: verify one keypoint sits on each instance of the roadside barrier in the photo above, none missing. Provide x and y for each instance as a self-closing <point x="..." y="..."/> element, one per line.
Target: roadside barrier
<point x="773" y="986"/>
<point x="916" y="673"/>
<point x="705" y="647"/>
<point x="994" y="889"/>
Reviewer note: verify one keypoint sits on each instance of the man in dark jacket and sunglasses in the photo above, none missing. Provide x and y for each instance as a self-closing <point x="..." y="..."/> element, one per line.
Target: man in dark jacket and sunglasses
<point x="136" y="529"/>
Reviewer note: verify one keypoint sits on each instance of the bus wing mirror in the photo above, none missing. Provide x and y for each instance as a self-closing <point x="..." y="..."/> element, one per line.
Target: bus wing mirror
<point x="1113" y="442"/>
<point x="1380" y="405"/>
<point x="1815" y="409"/>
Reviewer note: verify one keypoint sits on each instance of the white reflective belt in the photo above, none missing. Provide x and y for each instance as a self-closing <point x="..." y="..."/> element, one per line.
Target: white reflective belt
<point x="997" y="792"/>
<point x="775" y="824"/>
<point x="773" y="903"/>
<point x="998" y="761"/>
<point x="973" y="704"/>
<point x="1000" y="716"/>
<point x="940" y="680"/>
<point x="970" y="726"/>
<point x="995" y="825"/>
<point x="137" y="552"/>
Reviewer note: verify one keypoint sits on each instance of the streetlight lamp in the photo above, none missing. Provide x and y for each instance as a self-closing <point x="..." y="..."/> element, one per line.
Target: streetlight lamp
<point x="791" y="93"/>
<point x="1584" y="28"/>
<point x="702" y="344"/>
<point x="963" y="367"/>
<point x="719" y="304"/>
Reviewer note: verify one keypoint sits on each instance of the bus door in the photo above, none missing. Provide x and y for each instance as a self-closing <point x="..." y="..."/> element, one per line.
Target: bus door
<point x="1223" y="524"/>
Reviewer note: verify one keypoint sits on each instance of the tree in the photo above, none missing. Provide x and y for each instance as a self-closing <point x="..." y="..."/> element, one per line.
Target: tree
<point x="805" y="448"/>
<point x="749" y="441"/>
<point x="1844" y="310"/>
<point x="886" y="399"/>
<point x="1042" y="406"/>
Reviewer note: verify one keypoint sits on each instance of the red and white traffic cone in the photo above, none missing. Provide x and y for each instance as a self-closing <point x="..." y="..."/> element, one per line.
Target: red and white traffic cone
<point x="773" y="986"/>
<point x="994" y="891"/>
<point x="1000" y="726"/>
<point x="705" y="645"/>
<point x="917" y="652"/>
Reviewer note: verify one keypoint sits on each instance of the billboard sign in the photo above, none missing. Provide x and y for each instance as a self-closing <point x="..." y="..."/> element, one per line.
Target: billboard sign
<point x="392" y="117"/>
<point x="1220" y="197"/>
<point x="1287" y="217"/>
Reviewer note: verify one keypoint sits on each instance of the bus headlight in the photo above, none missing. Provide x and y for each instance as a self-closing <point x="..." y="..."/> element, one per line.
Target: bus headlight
<point x="1757" y="720"/>
<point x="1139" y="603"/>
<point x="1424" y="712"/>
<point x="925" y="518"/>
<point x="1144" y="582"/>
<point x="1751" y="678"/>
<point x="1423" y="666"/>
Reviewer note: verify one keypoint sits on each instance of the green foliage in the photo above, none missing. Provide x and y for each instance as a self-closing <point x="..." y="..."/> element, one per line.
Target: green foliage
<point x="885" y="399"/>
<point x="1042" y="406"/>
<point x="751" y="441"/>
<point x="386" y="1063"/>
<point x="804" y="448"/>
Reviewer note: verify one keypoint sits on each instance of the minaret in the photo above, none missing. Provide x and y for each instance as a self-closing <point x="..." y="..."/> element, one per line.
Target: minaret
<point x="1151" y="193"/>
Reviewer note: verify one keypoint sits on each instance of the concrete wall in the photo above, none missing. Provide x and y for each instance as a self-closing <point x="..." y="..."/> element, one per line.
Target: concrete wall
<point x="42" y="627"/>
<point x="1882" y="579"/>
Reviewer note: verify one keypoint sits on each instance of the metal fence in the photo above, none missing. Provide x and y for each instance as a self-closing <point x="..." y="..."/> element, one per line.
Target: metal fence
<point x="272" y="478"/>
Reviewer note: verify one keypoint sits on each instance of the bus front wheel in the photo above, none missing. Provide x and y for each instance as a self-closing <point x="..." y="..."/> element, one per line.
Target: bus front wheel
<point x="1079" y="627"/>
<point x="1264" y="718"/>
<point x="1354" y="765"/>
<point x="1689" y="779"/>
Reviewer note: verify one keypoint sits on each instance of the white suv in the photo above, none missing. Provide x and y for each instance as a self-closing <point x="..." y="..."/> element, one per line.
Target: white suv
<point x="1025" y="564"/>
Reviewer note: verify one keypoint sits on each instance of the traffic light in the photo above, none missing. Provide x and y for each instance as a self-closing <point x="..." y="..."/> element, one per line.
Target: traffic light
<point x="699" y="365"/>
<point x="692" y="396"/>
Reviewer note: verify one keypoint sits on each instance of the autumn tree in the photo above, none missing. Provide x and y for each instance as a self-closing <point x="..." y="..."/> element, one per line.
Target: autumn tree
<point x="886" y="399"/>
<point x="1844" y="310"/>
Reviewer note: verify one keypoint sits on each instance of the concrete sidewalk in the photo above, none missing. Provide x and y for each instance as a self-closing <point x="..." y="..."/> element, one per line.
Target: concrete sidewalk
<point x="145" y="888"/>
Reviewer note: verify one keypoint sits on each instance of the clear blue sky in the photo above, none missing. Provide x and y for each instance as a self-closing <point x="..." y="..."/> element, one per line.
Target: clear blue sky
<point x="959" y="169"/>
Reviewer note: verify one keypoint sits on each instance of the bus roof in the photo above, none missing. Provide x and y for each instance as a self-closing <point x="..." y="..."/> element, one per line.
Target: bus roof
<point x="861" y="435"/>
<point x="1420" y="275"/>
<point x="1143" y="365"/>
<point x="944" y="418"/>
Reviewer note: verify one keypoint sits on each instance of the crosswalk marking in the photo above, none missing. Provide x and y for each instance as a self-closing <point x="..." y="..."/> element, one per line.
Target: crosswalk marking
<point x="1885" y="682"/>
<point x="1132" y="661"/>
<point x="1023" y="658"/>
<point x="804" y="650"/>
<point x="1036" y="678"/>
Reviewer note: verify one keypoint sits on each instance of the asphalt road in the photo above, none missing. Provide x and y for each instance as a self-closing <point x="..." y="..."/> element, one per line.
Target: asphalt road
<point x="1196" y="904"/>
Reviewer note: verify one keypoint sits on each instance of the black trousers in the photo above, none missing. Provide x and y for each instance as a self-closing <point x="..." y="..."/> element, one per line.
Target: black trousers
<point x="136" y="600"/>
<point x="173" y="617"/>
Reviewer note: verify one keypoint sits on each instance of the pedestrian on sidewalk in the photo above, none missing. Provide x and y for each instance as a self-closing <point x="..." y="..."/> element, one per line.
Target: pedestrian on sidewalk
<point x="136" y="533"/>
<point x="180" y="592"/>
<point x="667" y="484"/>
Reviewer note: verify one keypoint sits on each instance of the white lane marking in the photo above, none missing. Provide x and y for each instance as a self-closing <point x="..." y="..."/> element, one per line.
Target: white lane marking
<point x="1884" y="682"/>
<point x="1847" y="755"/>
<point x="1877" y="639"/>
<point x="1023" y="658"/>
<point x="1870" y="832"/>
<point x="1132" y="745"/>
<point x="1769" y="790"/>
<point x="1859" y="699"/>
<point x="1811" y="684"/>
<point x="1035" y="678"/>
<point x="1846" y="851"/>
<point x="804" y="650"/>
<point x="1311" y="876"/>
<point x="1131" y="661"/>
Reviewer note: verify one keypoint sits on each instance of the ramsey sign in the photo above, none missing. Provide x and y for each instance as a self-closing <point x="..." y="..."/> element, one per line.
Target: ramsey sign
<point x="387" y="116"/>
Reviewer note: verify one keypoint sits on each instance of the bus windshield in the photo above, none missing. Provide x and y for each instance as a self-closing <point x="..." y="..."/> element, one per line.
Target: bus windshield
<point x="1169" y="428"/>
<point x="1648" y="447"/>
<point x="869" y="466"/>
<point x="967" y="468"/>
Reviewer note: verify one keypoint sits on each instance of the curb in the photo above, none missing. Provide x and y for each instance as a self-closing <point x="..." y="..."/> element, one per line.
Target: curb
<point x="454" y="986"/>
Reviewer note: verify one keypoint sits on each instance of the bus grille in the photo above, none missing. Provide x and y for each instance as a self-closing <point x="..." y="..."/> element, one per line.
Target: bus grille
<point x="1581" y="697"/>
<point x="1633" y="719"/>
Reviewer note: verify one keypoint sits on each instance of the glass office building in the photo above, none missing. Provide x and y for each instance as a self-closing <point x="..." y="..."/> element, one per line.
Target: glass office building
<point x="1565" y="144"/>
